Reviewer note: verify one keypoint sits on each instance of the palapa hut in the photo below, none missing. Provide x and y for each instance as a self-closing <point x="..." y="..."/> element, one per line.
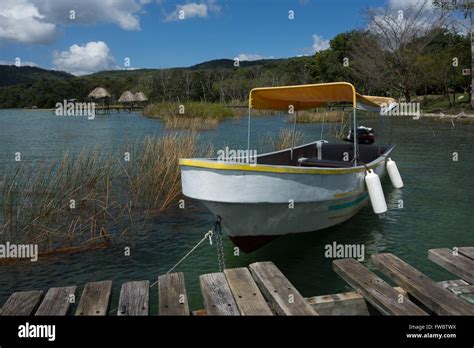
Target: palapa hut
<point x="127" y="97"/>
<point x="102" y="94"/>
<point x="99" y="93"/>
<point x="141" y="97"/>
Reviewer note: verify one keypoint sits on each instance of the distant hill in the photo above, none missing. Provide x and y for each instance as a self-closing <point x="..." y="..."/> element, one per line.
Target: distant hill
<point x="12" y="75"/>
<point x="213" y="81"/>
<point x="229" y="63"/>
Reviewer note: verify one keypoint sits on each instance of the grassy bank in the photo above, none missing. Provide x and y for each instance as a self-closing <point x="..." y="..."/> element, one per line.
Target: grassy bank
<point x="192" y="115"/>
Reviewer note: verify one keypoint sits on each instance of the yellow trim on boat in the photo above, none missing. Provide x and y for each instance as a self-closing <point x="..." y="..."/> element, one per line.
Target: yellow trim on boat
<point x="346" y="194"/>
<point x="189" y="162"/>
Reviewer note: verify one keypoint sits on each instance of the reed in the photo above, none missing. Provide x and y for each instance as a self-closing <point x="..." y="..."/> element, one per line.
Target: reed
<point x="191" y="123"/>
<point x="201" y="110"/>
<point x="282" y="140"/>
<point x="190" y="115"/>
<point x="71" y="205"/>
<point x="306" y="116"/>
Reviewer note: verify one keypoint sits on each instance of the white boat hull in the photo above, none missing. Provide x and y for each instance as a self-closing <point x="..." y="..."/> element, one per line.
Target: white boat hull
<point x="264" y="201"/>
<point x="272" y="219"/>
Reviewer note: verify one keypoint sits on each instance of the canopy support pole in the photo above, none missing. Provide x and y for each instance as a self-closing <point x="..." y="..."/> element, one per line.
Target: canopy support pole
<point x="294" y="135"/>
<point x="354" y="127"/>
<point x="248" y="138"/>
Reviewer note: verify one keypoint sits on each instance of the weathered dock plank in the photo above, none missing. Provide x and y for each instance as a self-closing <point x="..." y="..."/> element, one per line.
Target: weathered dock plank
<point x="279" y="292"/>
<point x="347" y="303"/>
<point x="57" y="301"/>
<point x="247" y="295"/>
<point x="467" y="252"/>
<point x="134" y="298"/>
<point x="456" y="264"/>
<point x="172" y="297"/>
<point x="353" y="303"/>
<point x="217" y="296"/>
<point x="22" y="303"/>
<point x="374" y="289"/>
<point x="447" y="284"/>
<point x="95" y="299"/>
<point x="432" y="295"/>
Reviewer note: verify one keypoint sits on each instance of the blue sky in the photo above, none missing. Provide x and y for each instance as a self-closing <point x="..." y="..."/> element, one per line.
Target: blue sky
<point x="150" y="34"/>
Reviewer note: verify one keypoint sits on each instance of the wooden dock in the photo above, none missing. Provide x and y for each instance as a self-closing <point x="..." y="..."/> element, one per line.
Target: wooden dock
<point x="262" y="289"/>
<point x="105" y="110"/>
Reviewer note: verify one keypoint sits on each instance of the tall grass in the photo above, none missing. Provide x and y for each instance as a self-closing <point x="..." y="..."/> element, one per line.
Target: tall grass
<point x="306" y="116"/>
<point x="191" y="123"/>
<point x="73" y="204"/>
<point x="282" y="140"/>
<point x="191" y="115"/>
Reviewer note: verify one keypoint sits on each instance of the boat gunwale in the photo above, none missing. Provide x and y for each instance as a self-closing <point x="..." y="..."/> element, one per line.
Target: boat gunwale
<point x="211" y="163"/>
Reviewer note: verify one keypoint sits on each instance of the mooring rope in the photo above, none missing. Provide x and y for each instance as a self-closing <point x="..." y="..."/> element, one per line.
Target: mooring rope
<point x="208" y="235"/>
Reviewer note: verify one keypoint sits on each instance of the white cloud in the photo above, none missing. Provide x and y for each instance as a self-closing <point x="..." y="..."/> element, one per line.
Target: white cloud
<point x="319" y="44"/>
<point x="214" y="6"/>
<point x="37" y="21"/>
<point x="21" y="21"/>
<point x="249" y="56"/>
<point x="193" y="10"/>
<point x="82" y="60"/>
<point x="120" y="12"/>
<point x="407" y="4"/>
<point x="187" y="11"/>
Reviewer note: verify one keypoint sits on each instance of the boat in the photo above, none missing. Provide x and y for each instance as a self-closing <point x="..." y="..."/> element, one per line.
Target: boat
<point x="300" y="189"/>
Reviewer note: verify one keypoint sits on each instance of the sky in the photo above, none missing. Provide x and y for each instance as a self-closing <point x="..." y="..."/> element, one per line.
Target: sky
<point x="86" y="36"/>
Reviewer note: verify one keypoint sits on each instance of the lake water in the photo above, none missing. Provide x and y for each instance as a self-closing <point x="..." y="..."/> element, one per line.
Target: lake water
<point x="438" y="206"/>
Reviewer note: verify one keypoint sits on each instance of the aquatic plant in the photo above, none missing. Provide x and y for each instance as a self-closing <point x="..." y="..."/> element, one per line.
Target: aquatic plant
<point x="282" y="140"/>
<point x="73" y="204"/>
<point x="307" y="116"/>
<point x="191" y="115"/>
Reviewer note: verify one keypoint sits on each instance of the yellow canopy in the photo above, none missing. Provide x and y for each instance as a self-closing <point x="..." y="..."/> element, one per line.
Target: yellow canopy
<point x="313" y="96"/>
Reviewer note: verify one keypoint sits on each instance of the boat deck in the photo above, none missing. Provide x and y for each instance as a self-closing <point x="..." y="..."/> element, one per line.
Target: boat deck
<point x="262" y="289"/>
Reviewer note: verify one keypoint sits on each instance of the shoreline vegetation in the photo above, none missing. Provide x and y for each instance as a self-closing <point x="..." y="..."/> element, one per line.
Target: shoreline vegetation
<point x="94" y="199"/>
<point x="85" y="202"/>
<point x="191" y="115"/>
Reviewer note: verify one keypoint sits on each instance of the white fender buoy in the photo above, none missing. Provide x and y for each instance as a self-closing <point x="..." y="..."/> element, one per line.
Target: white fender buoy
<point x="377" y="198"/>
<point x="394" y="174"/>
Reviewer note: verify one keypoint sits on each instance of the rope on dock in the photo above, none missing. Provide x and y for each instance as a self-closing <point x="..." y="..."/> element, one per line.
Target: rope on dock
<point x="208" y="235"/>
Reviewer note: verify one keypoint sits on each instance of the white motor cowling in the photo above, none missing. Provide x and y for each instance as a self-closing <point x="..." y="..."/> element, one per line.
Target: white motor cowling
<point x="394" y="174"/>
<point x="377" y="198"/>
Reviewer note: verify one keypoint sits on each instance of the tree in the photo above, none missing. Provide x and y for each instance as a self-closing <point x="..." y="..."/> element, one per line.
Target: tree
<point x="465" y="6"/>
<point x="392" y="45"/>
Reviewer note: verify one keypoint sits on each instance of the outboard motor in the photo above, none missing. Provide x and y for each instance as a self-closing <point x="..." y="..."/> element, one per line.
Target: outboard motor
<point x="365" y="135"/>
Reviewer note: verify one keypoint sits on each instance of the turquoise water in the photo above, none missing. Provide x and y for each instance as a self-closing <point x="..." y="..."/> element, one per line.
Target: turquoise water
<point x="438" y="199"/>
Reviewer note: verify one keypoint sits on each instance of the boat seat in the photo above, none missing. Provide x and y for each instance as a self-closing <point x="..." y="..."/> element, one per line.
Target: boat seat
<point x="315" y="162"/>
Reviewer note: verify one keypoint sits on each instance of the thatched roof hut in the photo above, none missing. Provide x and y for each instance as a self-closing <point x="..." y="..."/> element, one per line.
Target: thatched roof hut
<point x="141" y="97"/>
<point x="99" y="93"/>
<point x="127" y="97"/>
